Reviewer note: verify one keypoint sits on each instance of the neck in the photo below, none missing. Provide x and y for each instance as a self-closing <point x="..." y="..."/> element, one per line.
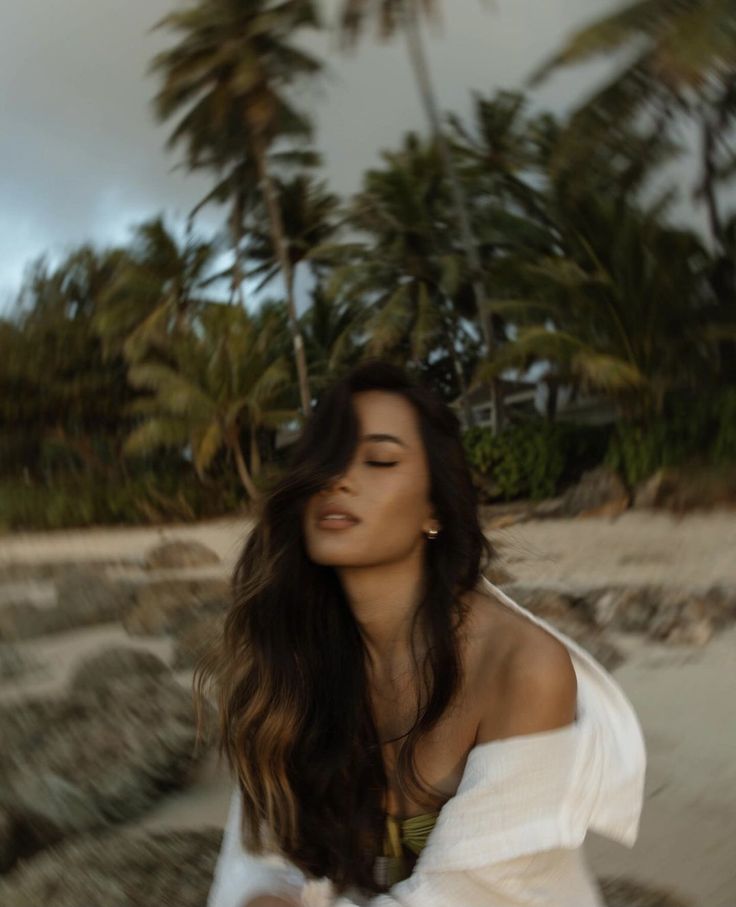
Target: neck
<point x="384" y="600"/>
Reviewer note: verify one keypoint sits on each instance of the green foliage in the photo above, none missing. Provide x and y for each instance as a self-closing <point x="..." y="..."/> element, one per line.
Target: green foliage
<point x="724" y="446"/>
<point x="534" y="459"/>
<point x="76" y="501"/>
<point x="695" y="428"/>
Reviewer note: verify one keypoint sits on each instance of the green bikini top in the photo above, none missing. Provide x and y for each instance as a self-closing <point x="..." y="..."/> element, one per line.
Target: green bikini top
<point x="404" y="835"/>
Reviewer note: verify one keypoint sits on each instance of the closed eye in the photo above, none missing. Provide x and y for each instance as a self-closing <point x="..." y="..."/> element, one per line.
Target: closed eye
<point x="380" y="463"/>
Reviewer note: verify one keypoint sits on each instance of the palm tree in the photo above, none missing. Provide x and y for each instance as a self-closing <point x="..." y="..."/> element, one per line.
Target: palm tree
<point x="627" y="311"/>
<point x="155" y="290"/>
<point x="501" y="154"/>
<point x="333" y="331"/>
<point x="226" y="78"/>
<point x="404" y="15"/>
<point x="310" y="218"/>
<point x="238" y="185"/>
<point x="60" y="393"/>
<point x="223" y="381"/>
<point x="407" y="270"/>
<point x="683" y="61"/>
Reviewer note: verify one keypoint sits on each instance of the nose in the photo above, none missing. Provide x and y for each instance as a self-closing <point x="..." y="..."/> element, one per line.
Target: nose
<point x="339" y="481"/>
<point x="334" y="483"/>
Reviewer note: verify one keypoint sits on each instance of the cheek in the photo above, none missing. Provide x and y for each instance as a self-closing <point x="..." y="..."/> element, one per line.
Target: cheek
<point x="400" y="506"/>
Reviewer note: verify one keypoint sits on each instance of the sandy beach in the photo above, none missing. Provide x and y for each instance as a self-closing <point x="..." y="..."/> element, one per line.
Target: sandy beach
<point x="684" y="695"/>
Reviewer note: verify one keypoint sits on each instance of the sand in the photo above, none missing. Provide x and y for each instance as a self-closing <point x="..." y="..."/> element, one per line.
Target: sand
<point x="684" y="696"/>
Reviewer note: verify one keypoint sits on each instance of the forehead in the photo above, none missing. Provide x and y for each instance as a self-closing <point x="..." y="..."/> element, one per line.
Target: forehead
<point x="382" y="412"/>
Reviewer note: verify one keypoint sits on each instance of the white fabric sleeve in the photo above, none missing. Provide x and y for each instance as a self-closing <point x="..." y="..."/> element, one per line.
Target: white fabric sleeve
<point x="512" y="835"/>
<point x="240" y="875"/>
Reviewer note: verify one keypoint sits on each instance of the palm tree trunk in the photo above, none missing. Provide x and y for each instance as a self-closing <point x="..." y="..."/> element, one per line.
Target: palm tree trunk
<point x="708" y="139"/>
<point x="457" y="366"/>
<point x="424" y="83"/>
<point x="255" y="454"/>
<point x="233" y="442"/>
<point x="236" y="228"/>
<point x="552" y="399"/>
<point x="279" y="240"/>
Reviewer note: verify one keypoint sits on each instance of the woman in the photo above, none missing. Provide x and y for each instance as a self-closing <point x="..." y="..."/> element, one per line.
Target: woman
<point x="402" y="732"/>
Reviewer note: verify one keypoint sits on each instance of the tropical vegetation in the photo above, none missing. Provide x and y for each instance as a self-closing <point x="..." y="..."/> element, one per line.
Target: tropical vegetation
<point x="164" y="378"/>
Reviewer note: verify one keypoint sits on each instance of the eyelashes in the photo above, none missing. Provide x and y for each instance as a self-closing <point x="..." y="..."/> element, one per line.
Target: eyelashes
<point x="379" y="463"/>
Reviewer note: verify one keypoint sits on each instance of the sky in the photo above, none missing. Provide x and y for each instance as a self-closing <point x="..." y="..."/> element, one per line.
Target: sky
<point x="82" y="158"/>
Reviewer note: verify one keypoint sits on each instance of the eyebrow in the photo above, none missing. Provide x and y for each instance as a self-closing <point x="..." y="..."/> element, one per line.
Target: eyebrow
<point x="384" y="437"/>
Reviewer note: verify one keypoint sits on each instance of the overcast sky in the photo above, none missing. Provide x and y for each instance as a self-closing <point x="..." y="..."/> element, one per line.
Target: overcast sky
<point x="81" y="158"/>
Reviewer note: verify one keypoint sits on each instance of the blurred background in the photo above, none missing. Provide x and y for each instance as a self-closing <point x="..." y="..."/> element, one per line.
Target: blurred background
<point x="209" y="212"/>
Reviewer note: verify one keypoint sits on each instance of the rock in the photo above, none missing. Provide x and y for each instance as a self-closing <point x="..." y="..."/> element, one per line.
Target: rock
<point x="673" y="615"/>
<point x="594" y="642"/>
<point x="693" y="633"/>
<point x="505" y="513"/>
<point x="195" y="638"/>
<point x="628" y="608"/>
<point x="7" y="842"/>
<point x="83" y="598"/>
<point x="503" y="521"/>
<point x="164" y="605"/>
<point x="600" y="492"/>
<point x="25" y="621"/>
<point x="86" y="598"/>
<point x="550" y="604"/>
<point x="618" y="892"/>
<point x="97" y="755"/>
<point x="603" y="607"/>
<point x="180" y="553"/>
<point x="119" y="869"/>
<point x="654" y="491"/>
<point x="13" y="664"/>
<point x="115" y="663"/>
<point x="685" y="620"/>
<point x="550" y="509"/>
<point x="686" y="488"/>
<point x="497" y="573"/>
<point x="719" y="604"/>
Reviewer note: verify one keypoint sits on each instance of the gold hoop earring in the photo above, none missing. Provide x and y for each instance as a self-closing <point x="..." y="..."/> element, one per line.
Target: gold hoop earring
<point x="432" y="533"/>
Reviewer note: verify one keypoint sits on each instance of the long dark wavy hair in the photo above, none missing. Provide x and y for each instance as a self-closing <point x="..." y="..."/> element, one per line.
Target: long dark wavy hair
<point x="289" y="672"/>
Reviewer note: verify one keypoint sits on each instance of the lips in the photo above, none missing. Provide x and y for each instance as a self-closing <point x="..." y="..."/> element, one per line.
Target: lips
<point x="335" y="511"/>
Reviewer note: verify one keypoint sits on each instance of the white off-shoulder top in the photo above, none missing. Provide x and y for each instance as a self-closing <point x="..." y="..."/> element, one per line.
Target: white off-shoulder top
<point x="512" y="834"/>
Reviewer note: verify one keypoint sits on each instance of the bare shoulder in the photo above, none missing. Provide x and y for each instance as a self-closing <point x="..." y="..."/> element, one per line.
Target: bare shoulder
<point x="523" y="677"/>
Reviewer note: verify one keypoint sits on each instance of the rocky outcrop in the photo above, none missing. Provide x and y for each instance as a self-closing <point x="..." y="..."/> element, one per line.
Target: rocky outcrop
<point x="129" y="869"/>
<point x="84" y="597"/>
<point x="163" y="606"/>
<point x="683" y="489"/>
<point x="193" y="639"/>
<point x="619" y="892"/>
<point x="118" y="869"/>
<point x="180" y="553"/>
<point x="600" y="492"/>
<point x="666" y="614"/>
<point x="102" y="753"/>
<point x="13" y="663"/>
<point x="116" y="663"/>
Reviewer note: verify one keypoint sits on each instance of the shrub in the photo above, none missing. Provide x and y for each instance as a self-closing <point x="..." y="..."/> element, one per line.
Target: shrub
<point x="84" y="500"/>
<point x="534" y="459"/>
<point x="694" y="428"/>
<point x="724" y="446"/>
